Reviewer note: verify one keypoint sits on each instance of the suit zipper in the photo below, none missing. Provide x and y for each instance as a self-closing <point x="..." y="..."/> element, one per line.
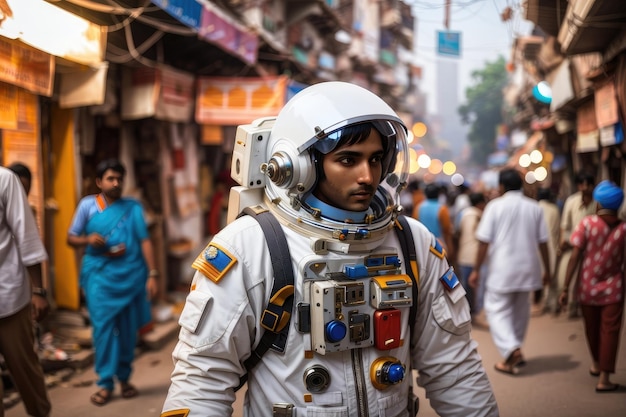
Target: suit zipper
<point x="359" y="380"/>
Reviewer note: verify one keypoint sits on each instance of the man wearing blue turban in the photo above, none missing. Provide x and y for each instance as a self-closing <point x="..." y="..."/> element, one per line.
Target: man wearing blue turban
<point x="599" y="242"/>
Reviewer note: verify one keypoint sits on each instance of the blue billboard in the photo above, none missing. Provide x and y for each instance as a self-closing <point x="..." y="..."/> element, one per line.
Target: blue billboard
<point x="449" y="43"/>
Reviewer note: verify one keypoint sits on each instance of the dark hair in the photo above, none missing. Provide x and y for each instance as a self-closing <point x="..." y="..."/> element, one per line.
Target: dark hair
<point x="20" y="170"/>
<point x="585" y="177"/>
<point x="354" y="134"/>
<point x="544" y="194"/>
<point x="112" y="164"/>
<point x="414" y="185"/>
<point x="462" y="187"/>
<point x="477" y="198"/>
<point x="431" y="191"/>
<point x="510" y="179"/>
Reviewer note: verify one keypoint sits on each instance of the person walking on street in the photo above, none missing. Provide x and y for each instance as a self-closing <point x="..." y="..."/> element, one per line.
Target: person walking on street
<point x="22" y="295"/>
<point x="598" y="251"/>
<point x="547" y="301"/>
<point x="575" y="208"/>
<point x="337" y="161"/>
<point x="23" y="173"/>
<point x="468" y="249"/>
<point x="435" y="215"/>
<point x="511" y="230"/>
<point x="117" y="275"/>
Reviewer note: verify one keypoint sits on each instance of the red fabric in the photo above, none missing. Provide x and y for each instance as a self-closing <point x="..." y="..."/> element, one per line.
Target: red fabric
<point x="601" y="276"/>
<point x="602" y="329"/>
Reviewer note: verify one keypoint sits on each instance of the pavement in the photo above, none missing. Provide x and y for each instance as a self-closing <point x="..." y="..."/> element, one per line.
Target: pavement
<point x="555" y="382"/>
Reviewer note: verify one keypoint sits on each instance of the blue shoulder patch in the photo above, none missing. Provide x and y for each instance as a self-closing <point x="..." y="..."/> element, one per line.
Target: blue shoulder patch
<point x="437" y="249"/>
<point x="450" y="280"/>
<point x="214" y="262"/>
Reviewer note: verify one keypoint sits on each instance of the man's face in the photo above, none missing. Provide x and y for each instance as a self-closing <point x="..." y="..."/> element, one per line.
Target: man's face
<point x="352" y="174"/>
<point x="585" y="187"/>
<point x="111" y="184"/>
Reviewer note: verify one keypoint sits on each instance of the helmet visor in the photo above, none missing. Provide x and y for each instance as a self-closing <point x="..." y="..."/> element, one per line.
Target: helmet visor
<point x="327" y="143"/>
<point x="395" y="160"/>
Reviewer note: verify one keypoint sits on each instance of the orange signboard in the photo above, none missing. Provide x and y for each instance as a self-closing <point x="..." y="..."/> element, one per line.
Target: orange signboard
<point x="26" y="67"/>
<point x="235" y="101"/>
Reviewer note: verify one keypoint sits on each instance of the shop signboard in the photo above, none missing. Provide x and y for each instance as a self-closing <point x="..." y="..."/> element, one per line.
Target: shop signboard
<point x="162" y="93"/>
<point x="188" y="12"/>
<point x="26" y="67"/>
<point x="233" y="101"/>
<point x="449" y="43"/>
<point x="229" y="35"/>
<point x="54" y="30"/>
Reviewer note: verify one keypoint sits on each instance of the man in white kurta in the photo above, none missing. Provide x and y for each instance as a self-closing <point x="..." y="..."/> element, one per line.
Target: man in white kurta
<point x="22" y="296"/>
<point x="511" y="229"/>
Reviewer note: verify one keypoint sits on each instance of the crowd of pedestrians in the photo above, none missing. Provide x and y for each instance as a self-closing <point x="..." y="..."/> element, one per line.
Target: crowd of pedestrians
<point x="537" y="257"/>
<point x="515" y="256"/>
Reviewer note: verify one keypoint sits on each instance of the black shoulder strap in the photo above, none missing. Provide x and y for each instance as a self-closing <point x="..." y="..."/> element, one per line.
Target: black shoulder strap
<point x="275" y="318"/>
<point x="408" y="253"/>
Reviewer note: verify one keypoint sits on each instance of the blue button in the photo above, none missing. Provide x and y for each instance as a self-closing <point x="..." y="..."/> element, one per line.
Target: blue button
<point x="356" y="271"/>
<point x="335" y="331"/>
<point x="395" y="373"/>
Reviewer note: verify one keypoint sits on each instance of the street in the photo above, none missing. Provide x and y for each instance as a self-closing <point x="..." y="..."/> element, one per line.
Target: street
<point x="555" y="382"/>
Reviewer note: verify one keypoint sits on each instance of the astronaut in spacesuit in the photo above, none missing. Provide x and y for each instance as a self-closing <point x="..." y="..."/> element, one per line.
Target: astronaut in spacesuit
<point x="330" y="168"/>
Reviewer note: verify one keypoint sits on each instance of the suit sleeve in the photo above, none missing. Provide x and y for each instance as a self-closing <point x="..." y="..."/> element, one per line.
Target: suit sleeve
<point x="217" y="325"/>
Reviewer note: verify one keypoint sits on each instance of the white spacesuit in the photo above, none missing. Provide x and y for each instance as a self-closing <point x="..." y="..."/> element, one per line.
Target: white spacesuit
<point x="350" y="349"/>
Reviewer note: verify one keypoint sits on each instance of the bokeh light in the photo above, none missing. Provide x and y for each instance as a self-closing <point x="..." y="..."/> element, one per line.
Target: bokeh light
<point x="524" y="160"/>
<point x="419" y="130"/>
<point x="423" y="161"/>
<point x="536" y="156"/>
<point x="541" y="173"/>
<point x="530" y="177"/>
<point x="435" y="166"/>
<point x="457" y="179"/>
<point x="449" y="167"/>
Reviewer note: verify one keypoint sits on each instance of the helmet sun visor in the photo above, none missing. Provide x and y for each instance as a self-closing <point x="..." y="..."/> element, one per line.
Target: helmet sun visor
<point x="329" y="142"/>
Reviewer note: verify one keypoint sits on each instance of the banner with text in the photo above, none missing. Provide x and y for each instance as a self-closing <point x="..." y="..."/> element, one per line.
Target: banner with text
<point x="235" y="101"/>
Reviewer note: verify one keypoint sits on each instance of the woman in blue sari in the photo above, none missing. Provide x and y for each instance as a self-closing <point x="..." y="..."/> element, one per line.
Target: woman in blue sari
<point x="117" y="276"/>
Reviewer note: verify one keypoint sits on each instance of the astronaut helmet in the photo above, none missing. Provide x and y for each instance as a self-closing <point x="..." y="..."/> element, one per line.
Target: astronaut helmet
<point x="313" y="123"/>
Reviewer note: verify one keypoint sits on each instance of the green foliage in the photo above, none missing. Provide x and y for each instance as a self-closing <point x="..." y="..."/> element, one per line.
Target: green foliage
<point x="483" y="108"/>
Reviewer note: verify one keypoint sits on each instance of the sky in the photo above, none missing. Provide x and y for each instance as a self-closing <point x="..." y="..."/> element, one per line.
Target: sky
<point x="484" y="36"/>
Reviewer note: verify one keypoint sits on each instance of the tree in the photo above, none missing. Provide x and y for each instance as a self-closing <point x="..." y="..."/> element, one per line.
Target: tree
<point x="483" y="108"/>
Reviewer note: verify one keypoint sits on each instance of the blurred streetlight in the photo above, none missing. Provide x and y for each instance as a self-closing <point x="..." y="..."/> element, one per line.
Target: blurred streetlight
<point x="419" y="130"/>
<point x="449" y="167"/>
<point x="524" y="160"/>
<point x="435" y="166"/>
<point x="536" y="156"/>
<point x="541" y="173"/>
<point x="423" y="161"/>
<point x="457" y="179"/>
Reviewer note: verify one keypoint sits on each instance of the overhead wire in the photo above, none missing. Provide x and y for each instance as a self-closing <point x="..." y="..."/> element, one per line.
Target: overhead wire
<point x="134" y="13"/>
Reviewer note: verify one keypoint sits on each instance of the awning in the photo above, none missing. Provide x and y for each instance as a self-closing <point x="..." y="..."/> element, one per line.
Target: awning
<point x="213" y="25"/>
<point x="590" y="25"/>
<point x="562" y="90"/>
<point x="546" y="14"/>
<point x="586" y="128"/>
<point x="55" y="31"/>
